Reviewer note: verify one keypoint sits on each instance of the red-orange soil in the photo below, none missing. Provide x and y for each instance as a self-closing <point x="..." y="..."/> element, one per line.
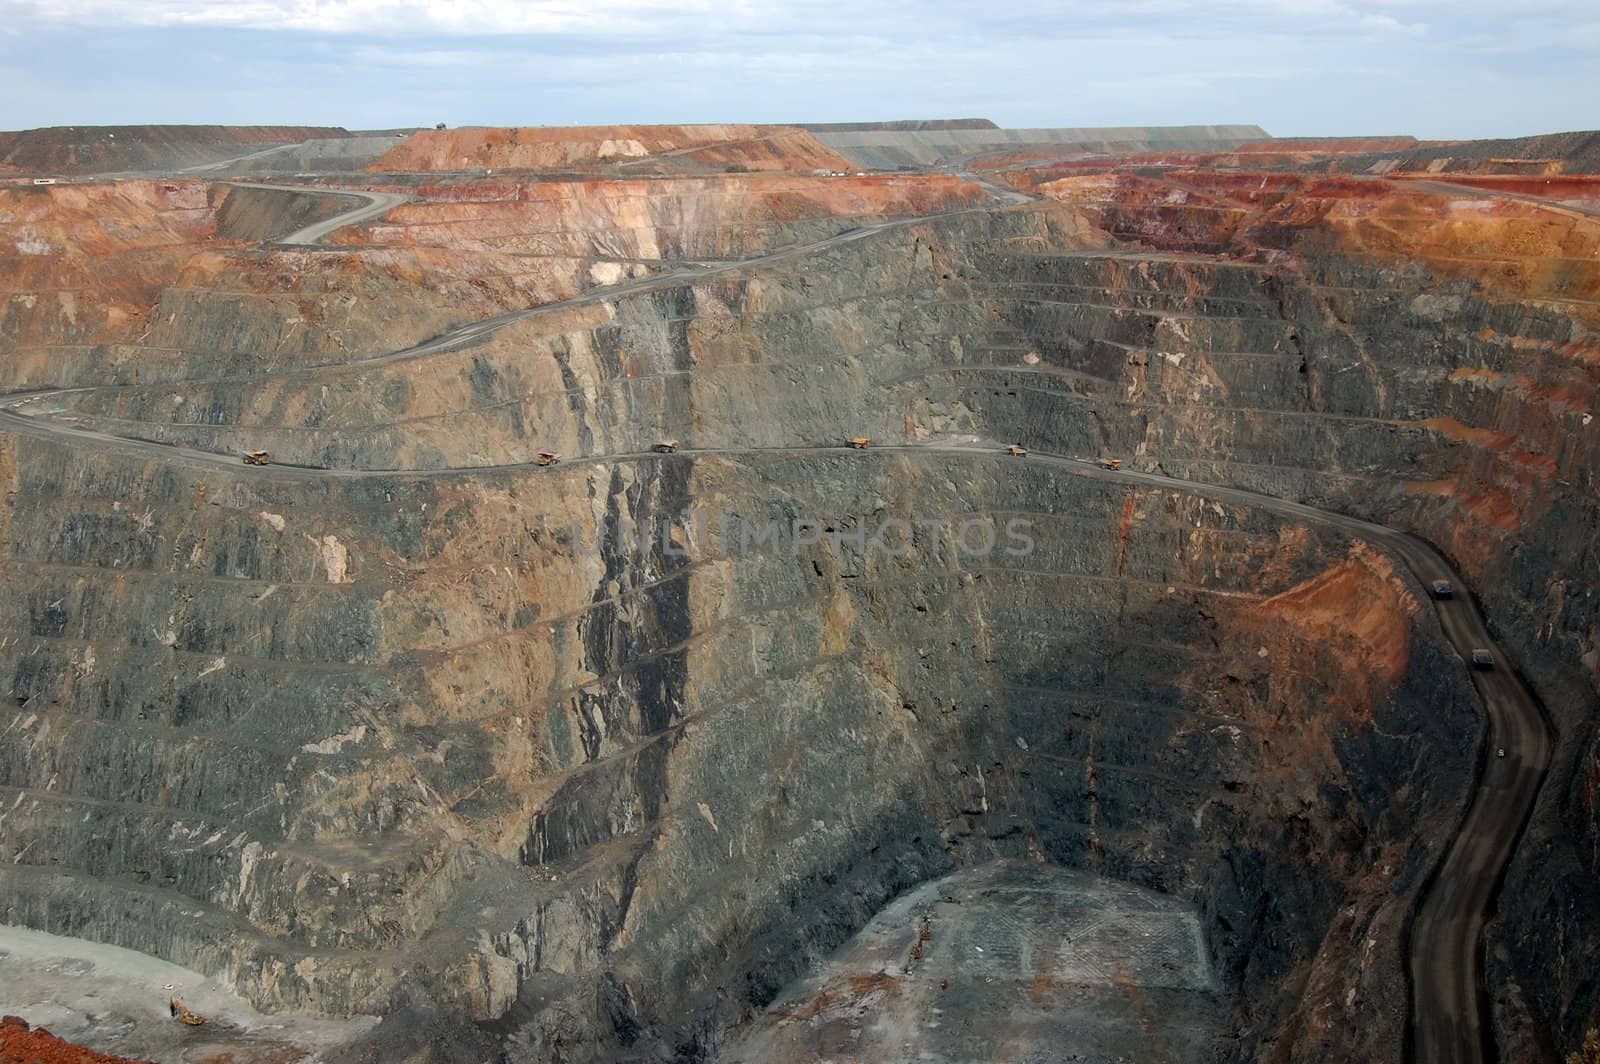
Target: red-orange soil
<point x="22" y="1044"/>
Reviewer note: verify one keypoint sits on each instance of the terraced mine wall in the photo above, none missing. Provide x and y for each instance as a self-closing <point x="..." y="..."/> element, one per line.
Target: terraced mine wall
<point x="162" y="149"/>
<point x="713" y="759"/>
<point x="545" y="749"/>
<point x="911" y="149"/>
<point x="1426" y="361"/>
<point x="664" y="149"/>
<point x="1550" y="153"/>
<point x="318" y="155"/>
<point x="174" y="301"/>
<point x="86" y="270"/>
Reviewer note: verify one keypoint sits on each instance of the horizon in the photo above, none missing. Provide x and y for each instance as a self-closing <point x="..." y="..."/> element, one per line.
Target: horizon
<point x="417" y="128"/>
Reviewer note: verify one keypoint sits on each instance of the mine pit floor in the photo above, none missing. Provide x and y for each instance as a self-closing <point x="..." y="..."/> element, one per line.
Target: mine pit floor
<point x="1007" y="961"/>
<point x="115" y="1000"/>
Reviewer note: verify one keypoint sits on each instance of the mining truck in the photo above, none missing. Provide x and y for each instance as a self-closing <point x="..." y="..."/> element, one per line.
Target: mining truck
<point x="183" y="1015"/>
<point x="860" y="443"/>
<point x="548" y="458"/>
<point x="665" y="446"/>
<point x="258" y="458"/>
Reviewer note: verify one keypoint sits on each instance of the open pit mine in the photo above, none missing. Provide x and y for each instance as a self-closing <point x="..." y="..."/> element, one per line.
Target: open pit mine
<point x="882" y="592"/>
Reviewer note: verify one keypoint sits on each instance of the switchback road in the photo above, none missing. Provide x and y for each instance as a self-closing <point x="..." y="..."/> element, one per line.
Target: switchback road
<point x="372" y="205"/>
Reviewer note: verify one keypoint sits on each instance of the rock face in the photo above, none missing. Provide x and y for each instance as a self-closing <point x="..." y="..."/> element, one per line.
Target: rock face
<point x="584" y="147"/>
<point x="1552" y="153"/>
<point x="166" y="293"/>
<point x="82" y="264"/>
<point x="655" y="219"/>
<point x="892" y="146"/>
<point x="84" y="268"/>
<point x="104" y="149"/>
<point x="1437" y="372"/>
<point x="602" y="755"/>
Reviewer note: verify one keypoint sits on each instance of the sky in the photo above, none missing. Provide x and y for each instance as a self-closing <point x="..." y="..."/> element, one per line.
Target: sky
<point x="1430" y="68"/>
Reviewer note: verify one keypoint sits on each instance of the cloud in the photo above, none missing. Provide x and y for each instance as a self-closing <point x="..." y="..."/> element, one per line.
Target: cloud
<point x="369" y="16"/>
<point x="1390" y="24"/>
<point x="645" y="17"/>
<point x="438" y="31"/>
<point x="421" y="58"/>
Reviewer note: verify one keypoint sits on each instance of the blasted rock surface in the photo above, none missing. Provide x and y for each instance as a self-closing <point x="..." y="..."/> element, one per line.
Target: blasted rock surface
<point x="1006" y="961"/>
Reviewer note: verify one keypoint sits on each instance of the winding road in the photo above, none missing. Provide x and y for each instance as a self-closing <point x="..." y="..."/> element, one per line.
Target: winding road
<point x="1448" y="1023"/>
<point x="373" y="205"/>
<point x="1444" y="957"/>
<point x="376" y="204"/>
